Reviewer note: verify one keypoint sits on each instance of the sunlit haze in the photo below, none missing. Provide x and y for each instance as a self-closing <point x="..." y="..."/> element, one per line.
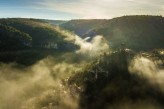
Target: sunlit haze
<point x="79" y="9"/>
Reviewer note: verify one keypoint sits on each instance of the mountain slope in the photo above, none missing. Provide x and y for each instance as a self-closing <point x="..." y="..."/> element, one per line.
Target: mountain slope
<point x="135" y="32"/>
<point x="81" y="27"/>
<point x="12" y="39"/>
<point x="55" y="22"/>
<point x="108" y="84"/>
<point x="43" y="34"/>
<point x="26" y="41"/>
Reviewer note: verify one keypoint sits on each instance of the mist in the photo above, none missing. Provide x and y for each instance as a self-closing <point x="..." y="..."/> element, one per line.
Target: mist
<point x="94" y="48"/>
<point x="43" y="85"/>
<point x="35" y="87"/>
<point x="148" y="68"/>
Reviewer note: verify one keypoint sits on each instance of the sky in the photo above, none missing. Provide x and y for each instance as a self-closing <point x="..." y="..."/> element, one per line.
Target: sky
<point x="79" y="9"/>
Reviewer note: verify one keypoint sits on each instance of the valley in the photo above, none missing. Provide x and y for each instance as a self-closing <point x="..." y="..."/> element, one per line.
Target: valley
<point x="82" y="64"/>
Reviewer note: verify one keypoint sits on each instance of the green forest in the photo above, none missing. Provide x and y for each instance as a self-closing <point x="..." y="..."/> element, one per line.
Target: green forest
<point x="82" y="64"/>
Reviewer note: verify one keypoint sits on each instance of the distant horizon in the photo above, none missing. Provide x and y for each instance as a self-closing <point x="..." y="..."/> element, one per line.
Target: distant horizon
<point x="79" y="9"/>
<point x="75" y="18"/>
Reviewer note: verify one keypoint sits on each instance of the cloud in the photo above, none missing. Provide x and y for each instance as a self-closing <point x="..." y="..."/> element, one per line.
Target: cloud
<point x="44" y="84"/>
<point x="103" y="8"/>
<point x="94" y="48"/>
<point x="148" y="68"/>
<point x="75" y="9"/>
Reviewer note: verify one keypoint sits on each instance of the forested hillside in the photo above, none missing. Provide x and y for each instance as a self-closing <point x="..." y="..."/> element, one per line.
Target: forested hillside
<point x="13" y="39"/>
<point x="43" y="66"/>
<point x="55" y="22"/>
<point x="43" y="34"/>
<point x="108" y="82"/>
<point x="83" y="26"/>
<point x="135" y="32"/>
<point x="26" y="41"/>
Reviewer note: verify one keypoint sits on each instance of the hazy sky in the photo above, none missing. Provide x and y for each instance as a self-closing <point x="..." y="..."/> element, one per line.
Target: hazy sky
<point x="75" y="9"/>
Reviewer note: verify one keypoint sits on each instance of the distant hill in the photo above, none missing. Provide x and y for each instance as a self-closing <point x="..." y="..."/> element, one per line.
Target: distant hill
<point x="81" y="27"/>
<point x="135" y="32"/>
<point x="43" y="34"/>
<point x="26" y="41"/>
<point x="55" y="22"/>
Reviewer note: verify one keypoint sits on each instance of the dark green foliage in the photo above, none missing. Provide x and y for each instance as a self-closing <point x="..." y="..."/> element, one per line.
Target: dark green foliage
<point x="137" y="32"/>
<point x="107" y="83"/>
<point x="26" y="41"/>
<point x="13" y="39"/>
<point x="43" y="34"/>
<point x="81" y="27"/>
<point x="28" y="56"/>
